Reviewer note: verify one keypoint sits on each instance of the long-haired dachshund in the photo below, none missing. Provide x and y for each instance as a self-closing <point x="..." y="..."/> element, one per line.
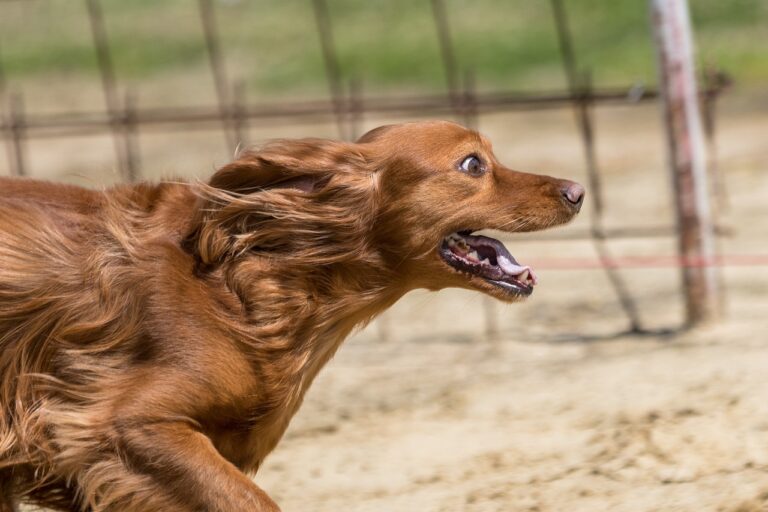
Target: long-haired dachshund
<point x="156" y="339"/>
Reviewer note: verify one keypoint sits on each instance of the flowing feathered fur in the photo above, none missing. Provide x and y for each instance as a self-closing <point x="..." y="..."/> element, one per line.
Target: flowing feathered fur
<point x="156" y="339"/>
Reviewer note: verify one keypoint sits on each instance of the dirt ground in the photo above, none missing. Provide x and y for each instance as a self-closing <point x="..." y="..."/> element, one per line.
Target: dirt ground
<point x="563" y="410"/>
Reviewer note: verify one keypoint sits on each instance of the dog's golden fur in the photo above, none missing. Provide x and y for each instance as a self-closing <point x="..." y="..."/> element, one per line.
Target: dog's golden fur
<point x="156" y="339"/>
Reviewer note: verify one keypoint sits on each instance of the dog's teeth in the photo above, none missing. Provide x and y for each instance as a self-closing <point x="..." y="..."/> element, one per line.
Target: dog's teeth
<point x="523" y="277"/>
<point x="473" y="255"/>
<point x="451" y="242"/>
<point x="486" y="260"/>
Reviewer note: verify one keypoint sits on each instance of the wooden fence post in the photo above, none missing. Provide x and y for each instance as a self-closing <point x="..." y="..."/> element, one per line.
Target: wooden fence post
<point x="677" y="82"/>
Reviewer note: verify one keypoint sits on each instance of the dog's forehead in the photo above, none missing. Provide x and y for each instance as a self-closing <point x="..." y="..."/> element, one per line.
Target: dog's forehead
<point x="445" y="134"/>
<point x="440" y="143"/>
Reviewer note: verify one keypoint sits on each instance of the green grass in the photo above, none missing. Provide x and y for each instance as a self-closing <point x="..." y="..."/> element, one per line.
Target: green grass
<point x="388" y="44"/>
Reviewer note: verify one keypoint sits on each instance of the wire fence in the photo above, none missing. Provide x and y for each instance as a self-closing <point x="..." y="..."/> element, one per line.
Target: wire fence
<point x="346" y="106"/>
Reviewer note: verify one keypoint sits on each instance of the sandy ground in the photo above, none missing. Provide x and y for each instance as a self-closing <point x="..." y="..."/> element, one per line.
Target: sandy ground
<point x="626" y="424"/>
<point x="421" y="411"/>
<point x="562" y="410"/>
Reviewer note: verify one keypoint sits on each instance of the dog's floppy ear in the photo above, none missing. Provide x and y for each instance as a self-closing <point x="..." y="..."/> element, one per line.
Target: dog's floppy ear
<point x="290" y="164"/>
<point x="374" y="134"/>
<point x="265" y="197"/>
<point x="253" y="173"/>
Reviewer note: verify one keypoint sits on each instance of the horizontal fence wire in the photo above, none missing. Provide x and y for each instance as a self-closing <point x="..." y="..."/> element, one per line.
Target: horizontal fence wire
<point x="300" y="112"/>
<point x="653" y="261"/>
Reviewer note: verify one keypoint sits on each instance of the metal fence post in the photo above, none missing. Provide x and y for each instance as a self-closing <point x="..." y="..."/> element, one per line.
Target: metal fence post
<point x="17" y="125"/>
<point x="356" y="108"/>
<point x="6" y="110"/>
<point x="674" y="48"/>
<point x="580" y="86"/>
<point x="216" y="63"/>
<point x="131" y="136"/>
<point x="447" y="52"/>
<point x="240" y="118"/>
<point x="109" y="85"/>
<point x="331" y="61"/>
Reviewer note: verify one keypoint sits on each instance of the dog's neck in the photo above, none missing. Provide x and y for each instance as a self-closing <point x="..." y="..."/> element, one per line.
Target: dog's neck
<point x="295" y="278"/>
<point x="294" y="318"/>
<point x="293" y="321"/>
<point x="310" y="309"/>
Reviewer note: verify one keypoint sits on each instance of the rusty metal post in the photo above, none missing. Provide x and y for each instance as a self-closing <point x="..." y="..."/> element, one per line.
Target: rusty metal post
<point x="580" y="87"/>
<point x="469" y="101"/>
<point x="240" y="119"/>
<point x="5" y="110"/>
<point x="584" y="117"/>
<point x="216" y="62"/>
<point x="331" y="61"/>
<point x="17" y="126"/>
<point x="3" y="84"/>
<point x="108" y="84"/>
<point x="687" y="157"/>
<point x="714" y="82"/>
<point x="131" y="136"/>
<point x="447" y="53"/>
<point x="356" y="109"/>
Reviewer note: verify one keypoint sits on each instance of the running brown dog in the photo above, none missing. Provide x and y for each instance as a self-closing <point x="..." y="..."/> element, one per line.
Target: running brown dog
<point x="156" y="339"/>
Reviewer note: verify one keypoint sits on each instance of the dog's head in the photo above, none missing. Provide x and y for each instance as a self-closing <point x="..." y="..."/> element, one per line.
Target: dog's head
<point x="405" y="198"/>
<point x="441" y="183"/>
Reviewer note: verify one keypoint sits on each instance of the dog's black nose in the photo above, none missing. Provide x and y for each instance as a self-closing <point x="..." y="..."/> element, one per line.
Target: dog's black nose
<point x="573" y="193"/>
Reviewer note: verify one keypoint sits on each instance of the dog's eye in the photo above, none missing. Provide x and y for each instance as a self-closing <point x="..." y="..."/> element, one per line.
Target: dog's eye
<point x="472" y="166"/>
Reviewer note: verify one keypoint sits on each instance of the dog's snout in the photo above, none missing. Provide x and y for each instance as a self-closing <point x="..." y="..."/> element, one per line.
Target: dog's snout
<point x="573" y="193"/>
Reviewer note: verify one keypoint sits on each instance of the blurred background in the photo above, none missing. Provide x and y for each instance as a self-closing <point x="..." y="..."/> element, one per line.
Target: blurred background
<point x="589" y="396"/>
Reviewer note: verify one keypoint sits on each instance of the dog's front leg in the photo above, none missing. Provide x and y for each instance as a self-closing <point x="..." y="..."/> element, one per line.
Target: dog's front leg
<point x="189" y="469"/>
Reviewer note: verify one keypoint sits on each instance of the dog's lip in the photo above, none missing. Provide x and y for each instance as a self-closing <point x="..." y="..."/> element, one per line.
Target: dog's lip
<point x="513" y="288"/>
<point x="487" y="258"/>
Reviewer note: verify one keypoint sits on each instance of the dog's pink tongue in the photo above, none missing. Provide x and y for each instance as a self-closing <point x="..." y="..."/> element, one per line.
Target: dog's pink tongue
<point x="514" y="269"/>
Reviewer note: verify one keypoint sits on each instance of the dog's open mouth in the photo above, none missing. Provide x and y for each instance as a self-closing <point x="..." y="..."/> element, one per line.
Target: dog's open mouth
<point x="488" y="259"/>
